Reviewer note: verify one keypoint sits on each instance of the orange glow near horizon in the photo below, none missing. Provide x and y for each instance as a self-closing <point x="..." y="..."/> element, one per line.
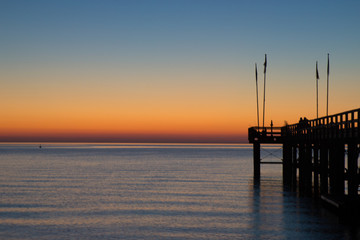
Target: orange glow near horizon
<point x="138" y="107"/>
<point x="100" y="115"/>
<point x="198" y="109"/>
<point x="180" y="110"/>
<point x="150" y="129"/>
<point x="122" y="135"/>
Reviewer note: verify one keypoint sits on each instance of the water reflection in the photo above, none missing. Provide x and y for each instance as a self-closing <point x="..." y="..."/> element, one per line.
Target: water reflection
<point x="149" y="193"/>
<point x="281" y="214"/>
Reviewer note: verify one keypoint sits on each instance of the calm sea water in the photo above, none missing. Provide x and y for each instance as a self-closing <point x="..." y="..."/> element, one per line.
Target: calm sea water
<point x="129" y="191"/>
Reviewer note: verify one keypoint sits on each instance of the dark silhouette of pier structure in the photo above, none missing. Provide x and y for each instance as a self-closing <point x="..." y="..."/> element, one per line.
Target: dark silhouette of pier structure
<point x="320" y="157"/>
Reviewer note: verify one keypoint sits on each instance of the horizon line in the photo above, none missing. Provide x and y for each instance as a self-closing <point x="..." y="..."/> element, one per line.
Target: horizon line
<point x="129" y="142"/>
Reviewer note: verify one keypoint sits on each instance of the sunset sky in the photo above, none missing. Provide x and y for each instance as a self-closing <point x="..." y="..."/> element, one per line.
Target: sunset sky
<point x="170" y="71"/>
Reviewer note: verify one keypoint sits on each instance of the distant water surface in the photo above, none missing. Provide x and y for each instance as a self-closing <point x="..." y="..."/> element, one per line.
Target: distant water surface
<point x="152" y="191"/>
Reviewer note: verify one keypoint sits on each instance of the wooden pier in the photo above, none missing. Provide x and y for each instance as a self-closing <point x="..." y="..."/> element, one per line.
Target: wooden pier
<point x="320" y="157"/>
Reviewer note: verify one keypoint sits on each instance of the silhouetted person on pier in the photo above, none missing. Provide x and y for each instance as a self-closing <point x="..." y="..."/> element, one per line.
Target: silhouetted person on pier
<point x="303" y="125"/>
<point x="264" y="132"/>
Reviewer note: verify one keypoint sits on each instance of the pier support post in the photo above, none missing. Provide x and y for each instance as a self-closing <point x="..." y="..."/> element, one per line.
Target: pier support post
<point x="308" y="169"/>
<point x="337" y="168"/>
<point x="302" y="173"/>
<point x="287" y="164"/>
<point x="294" y="167"/>
<point x="352" y="169"/>
<point x="316" y="169"/>
<point x="340" y="169"/>
<point x="256" y="149"/>
<point x="332" y="166"/>
<point x="324" y="165"/>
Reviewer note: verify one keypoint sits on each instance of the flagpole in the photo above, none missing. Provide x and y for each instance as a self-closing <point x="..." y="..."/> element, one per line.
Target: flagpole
<point x="327" y="89"/>
<point x="265" y="64"/>
<point x="257" y="96"/>
<point x="317" y="91"/>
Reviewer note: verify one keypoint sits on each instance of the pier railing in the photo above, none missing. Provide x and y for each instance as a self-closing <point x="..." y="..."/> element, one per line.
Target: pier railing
<point x="341" y="126"/>
<point x="265" y="134"/>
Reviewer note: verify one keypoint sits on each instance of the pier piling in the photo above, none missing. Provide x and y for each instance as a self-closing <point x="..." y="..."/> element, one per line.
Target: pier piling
<point x="256" y="148"/>
<point x="352" y="172"/>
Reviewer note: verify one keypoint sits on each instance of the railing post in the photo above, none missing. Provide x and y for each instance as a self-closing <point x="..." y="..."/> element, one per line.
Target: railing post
<point x="343" y="127"/>
<point x="352" y="125"/>
<point x="346" y="126"/>
<point x="358" y="124"/>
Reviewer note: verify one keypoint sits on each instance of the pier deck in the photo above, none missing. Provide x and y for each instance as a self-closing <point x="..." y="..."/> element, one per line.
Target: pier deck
<point x="320" y="156"/>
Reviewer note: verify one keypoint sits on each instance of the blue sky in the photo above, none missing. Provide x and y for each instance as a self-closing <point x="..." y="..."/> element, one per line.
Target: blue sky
<point x="199" y="51"/>
<point x="217" y="27"/>
<point x="159" y="28"/>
